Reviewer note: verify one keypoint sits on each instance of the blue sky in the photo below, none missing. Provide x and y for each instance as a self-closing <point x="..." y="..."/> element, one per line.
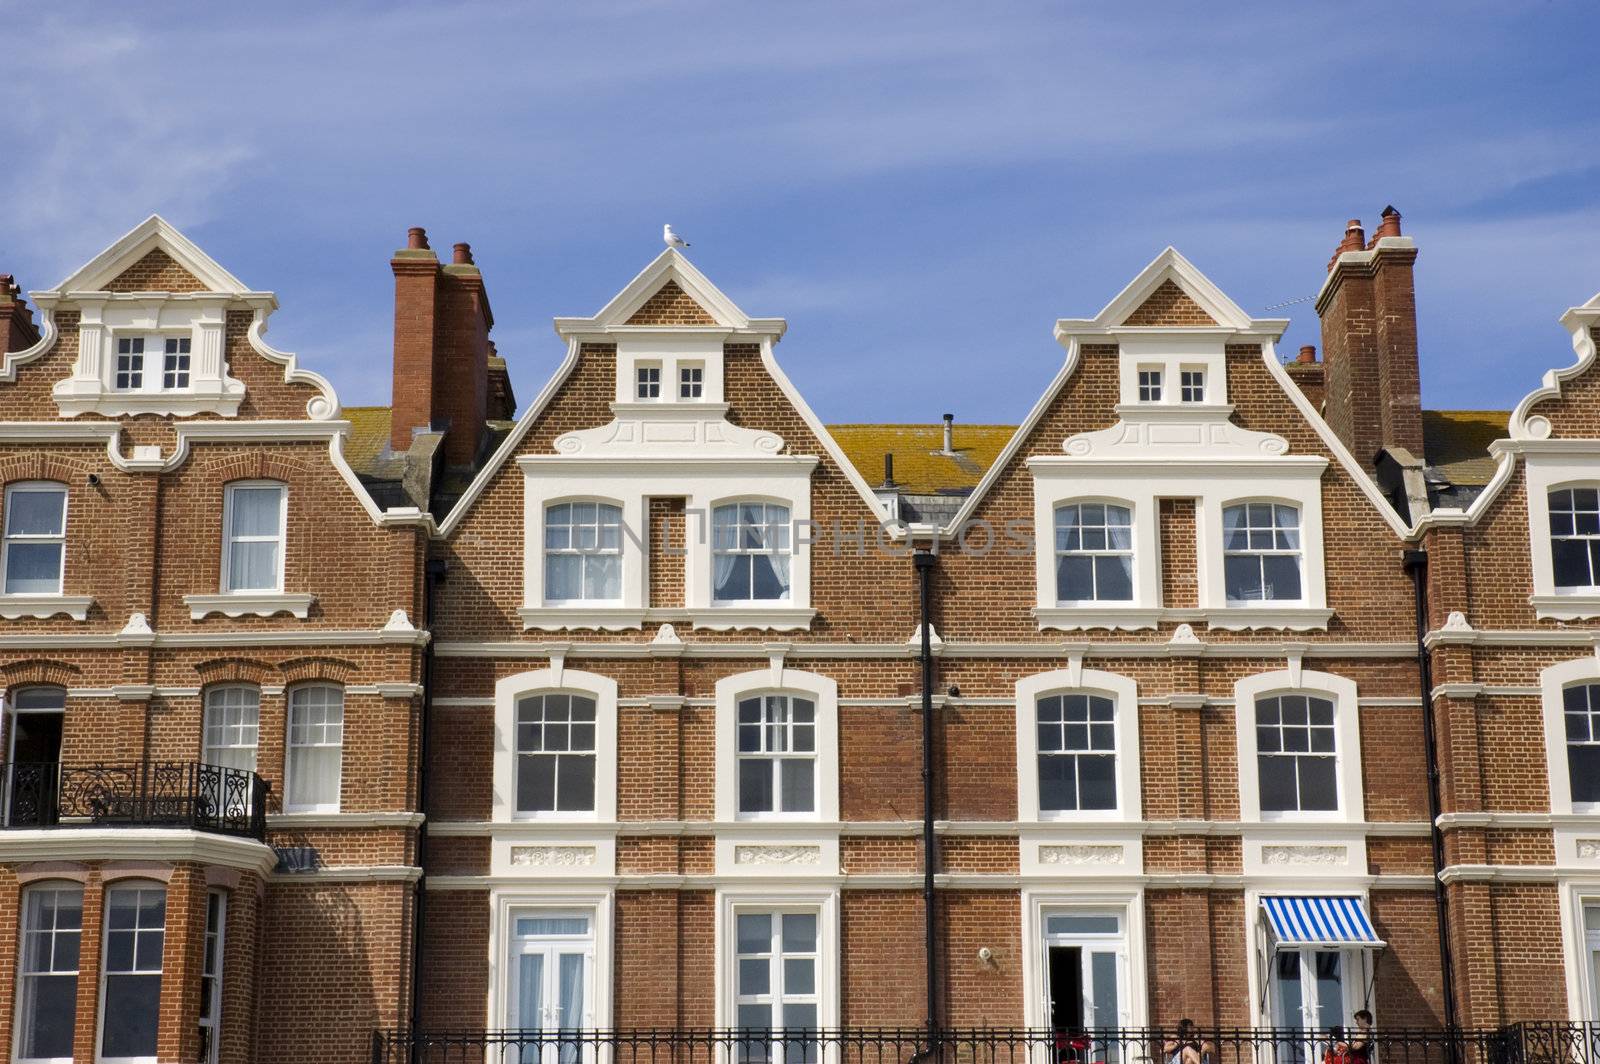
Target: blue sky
<point x="921" y="189"/>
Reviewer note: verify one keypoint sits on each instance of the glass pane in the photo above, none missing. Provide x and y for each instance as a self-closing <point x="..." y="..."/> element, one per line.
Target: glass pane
<point x="602" y="576"/>
<point x="563" y="577"/>
<point x="128" y="1015"/>
<point x="1103" y="988"/>
<point x="1097" y="782"/>
<point x="536" y="783"/>
<point x="755" y="932"/>
<point x="1114" y="578"/>
<point x="1074" y="924"/>
<point x="755" y="976"/>
<point x="1075" y="578"/>
<point x="256" y="511"/>
<point x="33" y="568"/>
<point x="757" y="1017"/>
<point x="1317" y="788"/>
<point x="800" y="1017"/>
<point x="1290" y="998"/>
<point x="253" y="566"/>
<point x="799" y="932"/>
<point x="528" y="926"/>
<point x="769" y="577"/>
<point x="799" y="783"/>
<point x="1330" y="990"/>
<point x="1571" y="558"/>
<point x="49" y="1010"/>
<point x="1591" y="917"/>
<point x="733" y="576"/>
<point x="755" y="785"/>
<point x="313" y="776"/>
<point x="569" y="992"/>
<point x="526" y="1011"/>
<point x="1241" y="575"/>
<point x="799" y="975"/>
<point x="1583" y="765"/>
<point x="40" y="698"/>
<point x="35" y="511"/>
<point x="1277" y="784"/>
<point x="1282" y="575"/>
<point x="576" y="791"/>
<point x="1058" y="783"/>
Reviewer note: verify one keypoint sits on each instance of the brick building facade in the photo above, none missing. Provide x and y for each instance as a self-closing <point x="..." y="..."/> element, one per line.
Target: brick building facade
<point x="612" y="715"/>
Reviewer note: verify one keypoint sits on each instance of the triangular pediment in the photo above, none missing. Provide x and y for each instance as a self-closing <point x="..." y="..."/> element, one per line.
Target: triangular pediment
<point x="1169" y="293"/>
<point x="152" y="257"/>
<point x="1169" y="306"/>
<point x="670" y="293"/>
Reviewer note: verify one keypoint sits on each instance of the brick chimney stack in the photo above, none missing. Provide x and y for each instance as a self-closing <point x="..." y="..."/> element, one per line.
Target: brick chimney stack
<point x="17" y="328"/>
<point x="1368" y="308"/>
<point x="441" y="349"/>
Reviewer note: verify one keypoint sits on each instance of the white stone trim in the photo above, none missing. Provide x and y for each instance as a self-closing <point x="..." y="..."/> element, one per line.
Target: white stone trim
<point x="43" y="607"/>
<point x="1347" y="725"/>
<point x="824" y="693"/>
<point x="1546" y="469"/>
<point x="599" y="902"/>
<point x="825" y="901"/>
<point x="130" y="843"/>
<point x="603" y="689"/>
<point x="249" y="604"/>
<point x="1553" y="681"/>
<point x="1127" y="902"/>
<point x="1583" y="996"/>
<point x="1124" y="694"/>
<point x="952" y="649"/>
<point x="301" y="821"/>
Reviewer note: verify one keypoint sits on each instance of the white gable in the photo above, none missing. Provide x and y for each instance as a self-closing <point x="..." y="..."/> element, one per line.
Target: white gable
<point x="1171" y="266"/>
<point x="152" y="233"/>
<point x="671" y="265"/>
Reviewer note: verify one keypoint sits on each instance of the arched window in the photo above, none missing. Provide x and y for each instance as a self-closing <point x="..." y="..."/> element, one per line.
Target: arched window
<point x="1077" y="752"/>
<point x="1261" y="553"/>
<point x="47" y="974"/>
<point x="1094" y="552"/>
<point x="750" y="552"/>
<point x="316" y="748"/>
<point x="35" y="537"/>
<point x="582" y="552"/>
<point x="777" y="754"/>
<point x="1575" y="537"/>
<point x="556" y="754"/>
<point x="1296" y="754"/>
<point x="1581" y="711"/>
<point x="130" y="984"/>
<point x="232" y="726"/>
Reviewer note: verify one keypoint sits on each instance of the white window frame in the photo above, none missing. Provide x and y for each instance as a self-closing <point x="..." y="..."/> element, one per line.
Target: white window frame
<point x="289" y="747"/>
<point x="669" y="347"/>
<point x="216" y="946"/>
<point x="691" y="382"/>
<point x="207" y="747"/>
<point x="507" y="692"/>
<point x="732" y="901"/>
<point x="1551" y="465"/>
<point x="1124" y="694"/>
<point x="517" y="754"/>
<point x="19" y="1011"/>
<point x="647" y="377"/>
<point x="153" y="361"/>
<point x="1298" y="553"/>
<point x="1297" y="756"/>
<point x="1593" y="587"/>
<point x="1186" y="385"/>
<point x="1553" y="682"/>
<point x="1342" y="692"/>
<point x="620" y="553"/>
<point x="506" y="905"/>
<point x="1152" y="384"/>
<point x="824" y="695"/>
<point x="772" y="758"/>
<point x="1580" y="946"/>
<point x="1038" y="905"/>
<point x="792" y="535"/>
<point x="105" y="952"/>
<point x="7" y="539"/>
<point x="1136" y="594"/>
<point x="228" y="538"/>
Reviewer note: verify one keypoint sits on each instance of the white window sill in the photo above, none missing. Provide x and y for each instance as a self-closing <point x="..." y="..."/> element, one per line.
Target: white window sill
<point x="581" y="615"/>
<point x="43" y="607"/>
<point x="1097" y="615"/>
<point x="111" y="403"/>
<point x="249" y="604"/>
<point x="1243" y="618"/>
<point x="1579" y="605"/>
<point x="770" y="618"/>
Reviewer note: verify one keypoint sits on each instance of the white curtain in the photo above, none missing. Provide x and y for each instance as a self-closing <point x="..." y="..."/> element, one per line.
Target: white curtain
<point x="316" y="742"/>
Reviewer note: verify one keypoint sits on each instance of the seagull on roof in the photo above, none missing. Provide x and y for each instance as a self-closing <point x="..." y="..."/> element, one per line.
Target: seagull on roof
<point x="671" y="239"/>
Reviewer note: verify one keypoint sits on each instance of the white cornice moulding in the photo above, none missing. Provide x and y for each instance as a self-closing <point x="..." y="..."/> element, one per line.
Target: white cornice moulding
<point x="1078" y="618"/>
<point x="1130" y="649"/>
<point x="1489" y="637"/>
<point x="295" y="821"/>
<point x="1565" y="607"/>
<point x="350" y="874"/>
<point x="1249" y="618"/>
<point x="776" y="619"/>
<point x="160" y="844"/>
<point x="43" y="607"/>
<point x="562" y="618"/>
<point x="249" y="605"/>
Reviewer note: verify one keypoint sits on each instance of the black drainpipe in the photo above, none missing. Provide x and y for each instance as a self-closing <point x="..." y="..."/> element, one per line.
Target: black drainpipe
<point x="924" y="562"/>
<point x="1416" y="565"/>
<point x="434" y="570"/>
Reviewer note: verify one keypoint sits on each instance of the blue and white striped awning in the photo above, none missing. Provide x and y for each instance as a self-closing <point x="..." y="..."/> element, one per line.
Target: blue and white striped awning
<point x="1333" y="921"/>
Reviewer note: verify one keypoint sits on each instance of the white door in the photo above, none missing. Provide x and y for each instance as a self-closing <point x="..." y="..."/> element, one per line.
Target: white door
<point x="550" y="977"/>
<point x="1591" y="950"/>
<point x="1086" y="982"/>
<point x="1311" y="992"/>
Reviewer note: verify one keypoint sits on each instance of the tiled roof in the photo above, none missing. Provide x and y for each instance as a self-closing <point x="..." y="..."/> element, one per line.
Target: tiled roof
<point x="369" y="433"/>
<point x="919" y="468"/>
<point x="1457" y="442"/>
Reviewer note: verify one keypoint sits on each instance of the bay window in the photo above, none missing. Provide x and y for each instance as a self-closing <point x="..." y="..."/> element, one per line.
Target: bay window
<point x="130" y="993"/>
<point x="35" y="538"/>
<point x="316" y="745"/>
<point x="750" y="551"/>
<point x="47" y="975"/>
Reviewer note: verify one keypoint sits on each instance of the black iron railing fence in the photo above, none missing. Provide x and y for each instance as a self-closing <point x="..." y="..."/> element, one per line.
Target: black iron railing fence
<point x="1531" y="1043"/>
<point x="226" y="801"/>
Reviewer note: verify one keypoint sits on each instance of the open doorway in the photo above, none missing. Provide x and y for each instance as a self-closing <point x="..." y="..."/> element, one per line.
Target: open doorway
<point x="33" y="755"/>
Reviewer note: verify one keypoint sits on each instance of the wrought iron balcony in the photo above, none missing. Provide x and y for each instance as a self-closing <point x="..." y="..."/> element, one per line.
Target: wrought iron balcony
<point x="1526" y="1043"/>
<point x="180" y="794"/>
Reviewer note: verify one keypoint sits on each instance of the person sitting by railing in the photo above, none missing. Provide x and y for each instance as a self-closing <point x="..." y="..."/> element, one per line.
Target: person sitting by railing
<point x="1188" y="1047"/>
<point x="1354" y="1046"/>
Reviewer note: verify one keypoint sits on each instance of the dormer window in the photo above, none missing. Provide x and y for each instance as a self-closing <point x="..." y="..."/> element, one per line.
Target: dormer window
<point x="1150" y="385"/>
<point x="647" y="381"/>
<point x="691" y="381"/>
<point x="1192" y="385"/>
<point x="130" y="375"/>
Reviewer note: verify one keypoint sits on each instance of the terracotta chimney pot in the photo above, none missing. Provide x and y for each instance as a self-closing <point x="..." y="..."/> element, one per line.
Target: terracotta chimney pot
<point x="1389" y="226"/>
<point x="416" y="238"/>
<point x="463" y="255"/>
<point x="1308" y="354"/>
